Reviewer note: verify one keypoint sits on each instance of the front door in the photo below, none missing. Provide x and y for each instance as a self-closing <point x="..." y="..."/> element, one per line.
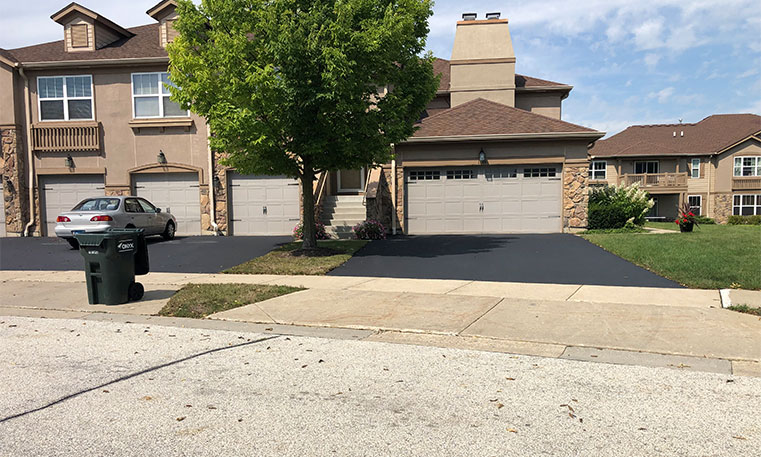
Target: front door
<point x="351" y="180"/>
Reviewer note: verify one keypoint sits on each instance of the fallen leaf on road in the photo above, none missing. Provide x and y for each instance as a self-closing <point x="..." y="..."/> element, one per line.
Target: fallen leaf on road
<point x="147" y="397"/>
<point x="105" y="391"/>
<point x="512" y="430"/>
<point x="500" y="406"/>
<point x="303" y="366"/>
<point x="320" y="361"/>
<point x="510" y="379"/>
<point x="738" y="437"/>
<point x="181" y="418"/>
<point x="211" y="407"/>
<point x="188" y="406"/>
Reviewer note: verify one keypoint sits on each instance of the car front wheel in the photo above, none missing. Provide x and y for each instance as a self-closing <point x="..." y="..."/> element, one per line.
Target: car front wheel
<point x="168" y="231"/>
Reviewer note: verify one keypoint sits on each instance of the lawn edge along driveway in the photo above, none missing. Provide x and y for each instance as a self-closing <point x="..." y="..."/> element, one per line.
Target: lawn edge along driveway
<point x="280" y="261"/>
<point x="201" y="300"/>
<point x="711" y="257"/>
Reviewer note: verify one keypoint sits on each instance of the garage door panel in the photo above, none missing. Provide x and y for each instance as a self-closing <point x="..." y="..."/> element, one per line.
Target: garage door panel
<point x="60" y="193"/>
<point x="263" y="205"/>
<point x="175" y="193"/>
<point x="512" y="203"/>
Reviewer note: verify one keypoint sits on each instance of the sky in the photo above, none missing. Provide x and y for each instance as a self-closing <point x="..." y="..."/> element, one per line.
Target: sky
<point x="630" y="61"/>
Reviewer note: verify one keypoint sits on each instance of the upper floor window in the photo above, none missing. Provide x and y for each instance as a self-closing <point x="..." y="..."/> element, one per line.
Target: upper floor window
<point x="65" y="98"/>
<point x="695" y="168"/>
<point x="598" y="169"/>
<point x="650" y="166"/>
<point x="150" y="96"/>
<point x="748" y="166"/>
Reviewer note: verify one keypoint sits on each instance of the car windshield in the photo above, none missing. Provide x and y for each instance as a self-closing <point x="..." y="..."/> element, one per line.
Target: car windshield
<point x="98" y="204"/>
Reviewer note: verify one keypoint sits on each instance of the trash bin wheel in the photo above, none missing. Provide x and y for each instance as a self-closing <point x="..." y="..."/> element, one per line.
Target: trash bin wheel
<point x="136" y="291"/>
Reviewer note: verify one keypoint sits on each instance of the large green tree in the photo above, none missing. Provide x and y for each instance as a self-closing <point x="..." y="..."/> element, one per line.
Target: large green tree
<point x="298" y="87"/>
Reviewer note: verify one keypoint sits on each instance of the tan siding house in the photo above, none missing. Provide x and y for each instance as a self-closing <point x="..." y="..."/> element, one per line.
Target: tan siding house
<point x="714" y="164"/>
<point x="90" y="115"/>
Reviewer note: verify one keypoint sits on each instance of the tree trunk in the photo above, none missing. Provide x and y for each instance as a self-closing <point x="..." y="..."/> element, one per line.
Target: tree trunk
<point x="307" y="219"/>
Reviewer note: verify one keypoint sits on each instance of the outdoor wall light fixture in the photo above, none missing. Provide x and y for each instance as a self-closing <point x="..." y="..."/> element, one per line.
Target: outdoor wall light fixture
<point x="69" y="161"/>
<point x="161" y="158"/>
<point x="482" y="156"/>
<point x="217" y="182"/>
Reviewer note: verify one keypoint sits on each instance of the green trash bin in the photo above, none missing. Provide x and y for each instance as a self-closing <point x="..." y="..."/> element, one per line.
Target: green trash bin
<point x="110" y="264"/>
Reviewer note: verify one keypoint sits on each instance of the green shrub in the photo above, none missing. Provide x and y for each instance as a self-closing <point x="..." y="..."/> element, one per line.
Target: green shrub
<point x="613" y="207"/>
<point x="298" y="232"/>
<point x="704" y="220"/>
<point x="744" y="220"/>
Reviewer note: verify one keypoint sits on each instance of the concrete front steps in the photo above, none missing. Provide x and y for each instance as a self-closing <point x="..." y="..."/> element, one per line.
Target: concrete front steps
<point x="342" y="212"/>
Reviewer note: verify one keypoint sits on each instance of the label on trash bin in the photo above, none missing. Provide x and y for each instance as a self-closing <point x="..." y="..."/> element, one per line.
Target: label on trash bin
<point x="125" y="246"/>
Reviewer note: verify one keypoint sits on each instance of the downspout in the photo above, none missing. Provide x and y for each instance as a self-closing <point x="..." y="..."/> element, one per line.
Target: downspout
<point x="212" y="175"/>
<point x="393" y="193"/>
<point x="29" y="154"/>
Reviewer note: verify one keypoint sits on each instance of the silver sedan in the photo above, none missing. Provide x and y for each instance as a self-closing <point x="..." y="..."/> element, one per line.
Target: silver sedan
<point x="100" y="213"/>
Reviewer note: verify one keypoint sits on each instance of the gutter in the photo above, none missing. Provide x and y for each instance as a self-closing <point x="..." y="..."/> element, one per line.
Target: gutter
<point x="29" y="153"/>
<point x="513" y="136"/>
<point x="96" y="62"/>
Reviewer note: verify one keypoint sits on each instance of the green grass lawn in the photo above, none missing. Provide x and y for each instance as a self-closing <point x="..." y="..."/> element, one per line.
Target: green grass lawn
<point x="282" y="262"/>
<point x="711" y="257"/>
<point x="201" y="300"/>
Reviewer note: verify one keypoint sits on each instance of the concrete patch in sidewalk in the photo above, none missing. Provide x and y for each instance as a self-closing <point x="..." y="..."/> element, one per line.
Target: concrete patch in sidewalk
<point x="517" y="290"/>
<point x="649" y="296"/>
<point x="420" y="286"/>
<point x="469" y="342"/>
<point x="248" y="313"/>
<point x="377" y="310"/>
<point x="646" y="359"/>
<point x="750" y="298"/>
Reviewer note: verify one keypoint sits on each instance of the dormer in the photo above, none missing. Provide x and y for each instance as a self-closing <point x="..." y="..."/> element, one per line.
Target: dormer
<point x="86" y="30"/>
<point x="164" y="12"/>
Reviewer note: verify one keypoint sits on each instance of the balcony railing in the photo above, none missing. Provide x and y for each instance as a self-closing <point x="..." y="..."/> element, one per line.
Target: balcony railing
<point x="66" y="138"/>
<point x="655" y="180"/>
<point x="746" y="183"/>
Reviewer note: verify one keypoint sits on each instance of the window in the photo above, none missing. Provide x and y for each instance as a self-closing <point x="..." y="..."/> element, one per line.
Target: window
<point x="132" y="206"/>
<point x="747" y="166"/>
<point x="538" y="172"/>
<point x="650" y="166"/>
<point x="147" y="207"/>
<point x="746" y="205"/>
<point x="500" y="173"/>
<point x="695" y="168"/>
<point x="461" y="174"/>
<point x="696" y="203"/>
<point x="98" y="204"/>
<point x="150" y="96"/>
<point x="424" y="175"/>
<point x="598" y="169"/>
<point x="64" y="98"/>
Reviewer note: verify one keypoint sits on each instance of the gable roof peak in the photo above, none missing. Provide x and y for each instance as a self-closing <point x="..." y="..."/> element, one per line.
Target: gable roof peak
<point x="74" y="7"/>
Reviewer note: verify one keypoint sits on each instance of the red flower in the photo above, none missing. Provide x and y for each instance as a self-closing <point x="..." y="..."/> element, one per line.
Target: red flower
<point x="676" y="222"/>
<point x="691" y="214"/>
<point x="685" y="220"/>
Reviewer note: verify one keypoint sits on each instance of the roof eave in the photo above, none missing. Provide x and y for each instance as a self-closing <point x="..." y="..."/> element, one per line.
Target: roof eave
<point x="158" y="8"/>
<point x="74" y="7"/>
<point x="592" y="135"/>
<point x="94" y="62"/>
<point x="563" y="87"/>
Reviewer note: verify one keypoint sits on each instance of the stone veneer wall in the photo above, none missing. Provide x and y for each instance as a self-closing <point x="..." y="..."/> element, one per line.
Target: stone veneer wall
<point x="722" y="207"/>
<point x="15" y="189"/>
<point x="220" y="193"/>
<point x="575" y="195"/>
<point x="380" y="207"/>
<point x="120" y="191"/>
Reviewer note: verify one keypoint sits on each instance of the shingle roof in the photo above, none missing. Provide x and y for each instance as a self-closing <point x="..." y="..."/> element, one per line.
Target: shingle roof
<point x="484" y="117"/>
<point x="145" y="43"/>
<point x="709" y="136"/>
<point x="442" y="66"/>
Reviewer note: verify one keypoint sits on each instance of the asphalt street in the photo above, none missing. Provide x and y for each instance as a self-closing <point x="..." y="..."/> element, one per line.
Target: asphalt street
<point x="75" y="388"/>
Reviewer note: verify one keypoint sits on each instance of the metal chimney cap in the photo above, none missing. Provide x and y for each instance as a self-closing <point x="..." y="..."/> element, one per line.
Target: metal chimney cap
<point x="494" y="15"/>
<point x="469" y="16"/>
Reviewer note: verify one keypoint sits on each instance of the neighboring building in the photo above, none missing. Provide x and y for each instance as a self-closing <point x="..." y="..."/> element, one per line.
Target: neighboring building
<point x="713" y="165"/>
<point x="89" y="115"/>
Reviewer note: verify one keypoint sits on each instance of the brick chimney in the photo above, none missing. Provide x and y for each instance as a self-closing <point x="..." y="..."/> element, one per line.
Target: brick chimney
<point x="483" y="61"/>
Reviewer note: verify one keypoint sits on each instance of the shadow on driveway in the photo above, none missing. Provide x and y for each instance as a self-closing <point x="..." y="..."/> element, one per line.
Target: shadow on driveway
<point x="553" y="258"/>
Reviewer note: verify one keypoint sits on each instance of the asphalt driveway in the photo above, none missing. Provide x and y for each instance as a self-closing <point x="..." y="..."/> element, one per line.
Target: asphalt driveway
<point x="196" y="254"/>
<point x="555" y="258"/>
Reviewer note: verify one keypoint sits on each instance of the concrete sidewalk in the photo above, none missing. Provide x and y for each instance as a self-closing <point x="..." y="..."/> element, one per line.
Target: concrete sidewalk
<point x="535" y="319"/>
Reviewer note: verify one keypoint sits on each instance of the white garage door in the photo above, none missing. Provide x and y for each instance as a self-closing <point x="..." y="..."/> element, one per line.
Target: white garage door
<point x="175" y="193"/>
<point x="60" y="193"/>
<point x="263" y="205"/>
<point x="519" y="199"/>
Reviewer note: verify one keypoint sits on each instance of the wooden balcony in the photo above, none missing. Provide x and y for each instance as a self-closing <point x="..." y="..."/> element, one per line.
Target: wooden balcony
<point x="66" y="138"/>
<point x="746" y="183"/>
<point x="656" y="181"/>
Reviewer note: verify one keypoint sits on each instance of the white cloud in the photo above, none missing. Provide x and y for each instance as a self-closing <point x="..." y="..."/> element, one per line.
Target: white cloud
<point x="648" y="34"/>
<point x="651" y="60"/>
<point x="662" y="95"/>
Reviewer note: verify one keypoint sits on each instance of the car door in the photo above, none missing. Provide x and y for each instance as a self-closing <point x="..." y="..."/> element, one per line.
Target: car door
<point x="154" y="222"/>
<point x="135" y="214"/>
